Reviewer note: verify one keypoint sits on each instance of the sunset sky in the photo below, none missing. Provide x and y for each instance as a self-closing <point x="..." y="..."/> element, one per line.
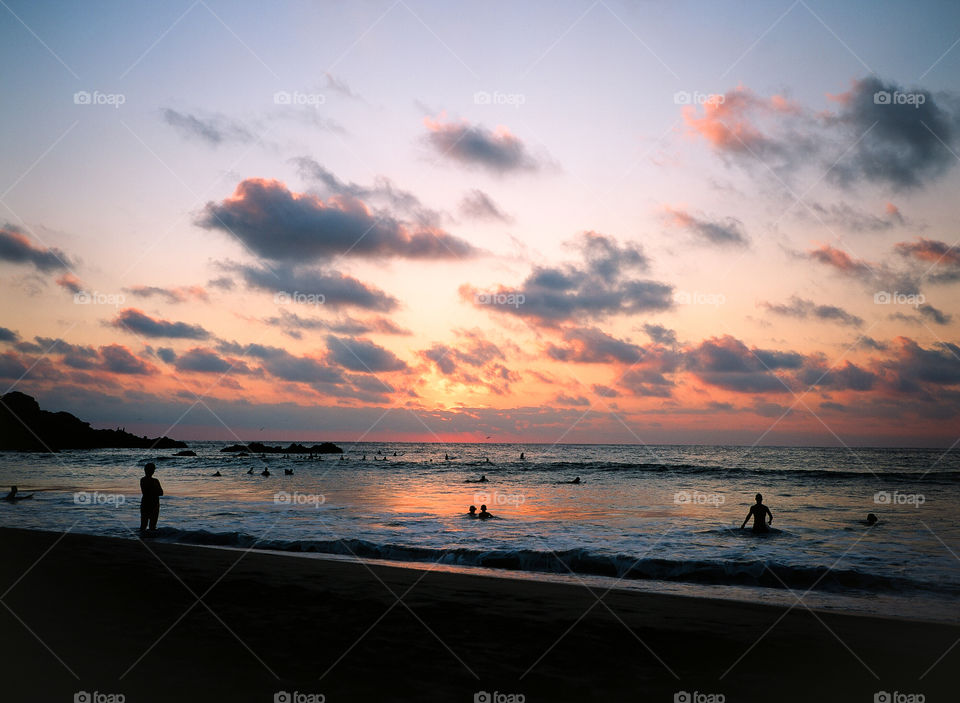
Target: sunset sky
<point x="638" y="222"/>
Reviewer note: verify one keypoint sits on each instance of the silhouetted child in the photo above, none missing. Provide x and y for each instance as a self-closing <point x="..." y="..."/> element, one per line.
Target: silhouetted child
<point x="472" y="512"/>
<point x="150" y="502"/>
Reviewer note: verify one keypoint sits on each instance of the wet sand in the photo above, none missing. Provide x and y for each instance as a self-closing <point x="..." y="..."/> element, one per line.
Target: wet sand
<point x="117" y="616"/>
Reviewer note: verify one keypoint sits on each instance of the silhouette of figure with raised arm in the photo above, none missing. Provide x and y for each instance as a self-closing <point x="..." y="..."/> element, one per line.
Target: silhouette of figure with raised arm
<point x="483" y="513"/>
<point x="760" y="513"/>
<point x="150" y="502"/>
<point x="472" y="512"/>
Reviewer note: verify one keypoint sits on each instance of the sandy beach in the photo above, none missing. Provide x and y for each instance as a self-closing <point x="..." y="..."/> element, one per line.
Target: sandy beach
<point x="115" y="616"/>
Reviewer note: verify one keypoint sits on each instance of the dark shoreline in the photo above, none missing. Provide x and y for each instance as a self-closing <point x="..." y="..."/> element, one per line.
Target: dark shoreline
<point x="100" y="603"/>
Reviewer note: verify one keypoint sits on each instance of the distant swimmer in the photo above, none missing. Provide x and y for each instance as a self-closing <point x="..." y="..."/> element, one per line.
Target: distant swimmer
<point x="12" y="496"/>
<point x="482" y="479"/>
<point x="759" y="512"/>
<point x="364" y="458"/>
<point x="472" y="512"/>
<point x="483" y="513"/>
<point x="288" y="472"/>
<point x="446" y="457"/>
<point x="576" y="480"/>
<point x="394" y="453"/>
<point x="486" y="460"/>
<point x="522" y="457"/>
<point x="218" y="474"/>
<point x="265" y="472"/>
<point x="871" y="520"/>
<point x="250" y="471"/>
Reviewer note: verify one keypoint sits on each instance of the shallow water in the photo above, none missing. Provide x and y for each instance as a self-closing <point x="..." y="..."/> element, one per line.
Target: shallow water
<point x="661" y="517"/>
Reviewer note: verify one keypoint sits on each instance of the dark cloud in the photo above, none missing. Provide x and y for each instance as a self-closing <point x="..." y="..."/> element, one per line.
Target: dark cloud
<point x="16" y="247"/>
<point x="473" y="361"/>
<point x="118" y="359"/>
<point x="474" y="145"/>
<point x="281" y="225"/>
<point x="222" y="282"/>
<point x="902" y="144"/>
<point x="935" y="315"/>
<point x="605" y="391"/>
<point x="8" y="335"/>
<point x="915" y="369"/>
<point x="139" y="323"/>
<point x="728" y="363"/>
<point x="660" y="334"/>
<point x="291" y="321"/>
<point x="362" y="355"/>
<point x="847" y="217"/>
<point x="591" y="345"/>
<point x="846" y="377"/>
<point x="477" y="205"/>
<point x="167" y="354"/>
<point x="600" y="286"/>
<point x="803" y="309"/>
<point x="214" y="130"/>
<point x="70" y="283"/>
<point x="201" y="360"/>
<point x="563" y="399"/>
<point x="314" y="286"/>
<point x="720" y="231"/>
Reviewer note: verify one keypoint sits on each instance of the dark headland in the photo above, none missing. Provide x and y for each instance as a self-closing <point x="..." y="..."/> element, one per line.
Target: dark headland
<point x="295" y="448"/>
<point x="25" y="427"/>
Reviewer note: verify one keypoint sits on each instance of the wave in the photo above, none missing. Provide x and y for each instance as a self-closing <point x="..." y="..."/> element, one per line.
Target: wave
<point x="581" y="561"/>
<point x="818" y="474"/>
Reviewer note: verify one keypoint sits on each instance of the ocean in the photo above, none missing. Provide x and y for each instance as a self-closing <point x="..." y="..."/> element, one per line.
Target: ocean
<point x="661" y="518"/>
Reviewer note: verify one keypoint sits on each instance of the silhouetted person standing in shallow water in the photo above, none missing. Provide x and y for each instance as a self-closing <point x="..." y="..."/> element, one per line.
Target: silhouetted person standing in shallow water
<point x="759" y="512"/>
<point x="150" y="502"/>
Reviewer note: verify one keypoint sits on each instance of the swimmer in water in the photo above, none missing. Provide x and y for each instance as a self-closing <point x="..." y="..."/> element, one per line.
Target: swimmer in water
<point x="13" y="497"/>
<point x="265" y="472"/>
<point x="576" y="480"/>
<point x="522" y="457"/>
<point x="472" y="512"/>
<point x="218" y="474"/>
<point x="250" y="472"/>
<point x="288" y="472"/>
<point x="871" y="520"/>
<point x="759" y="512"/>
<point x="446" y="457"/>
<point x="483" y="513"/>
<point x="482" y="479"/>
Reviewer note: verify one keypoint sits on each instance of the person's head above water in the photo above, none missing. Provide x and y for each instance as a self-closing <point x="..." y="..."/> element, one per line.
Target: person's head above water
<point x="759" y="497"/>
<point x="872" y="519"/>
<point x="149" y="468"/>
<point x="473" y="509"/>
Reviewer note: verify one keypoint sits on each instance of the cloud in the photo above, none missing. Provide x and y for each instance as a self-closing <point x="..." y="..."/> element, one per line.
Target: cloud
<point x="180" y="294"/>
<point x="728" y="363"/>
<point x="341" y="88"/>
<point x="475" y="146"/>
<point x="918" y="370"/>
<point x="118" y="359"/>
<point x="590" y="345"/>
<point x="281" y="225"/>
<point x="16" y="248"/>
<point x="840" y="260"/>
<point x="852" y="219"/>
<point x="329" y="288"/>
<point x="935" y="315"/>
<point x="482" y="356"/>
<point x="901" y="144"/>
<point x="929" y="250"/>
<point x="601" y="285"/>
<point x="139" y="323"/>
<point x="8" y="335"/>
<point x="345" y="325"/>
<point x="723" y="232"/>
<point x="563" y="399"/>
<point x="803" y="309"/>
<point x="660" y="334"/>
<point x="362" y="355"/>
<point x="881" y="133"/>
<point x="214" y="130"/>
<point x="477" y="205"/>
<point x="70" y="283"/>
<point x="208" y="361"/>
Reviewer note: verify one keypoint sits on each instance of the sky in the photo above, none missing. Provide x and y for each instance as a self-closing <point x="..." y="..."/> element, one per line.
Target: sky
<point x="553" y="222"/>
